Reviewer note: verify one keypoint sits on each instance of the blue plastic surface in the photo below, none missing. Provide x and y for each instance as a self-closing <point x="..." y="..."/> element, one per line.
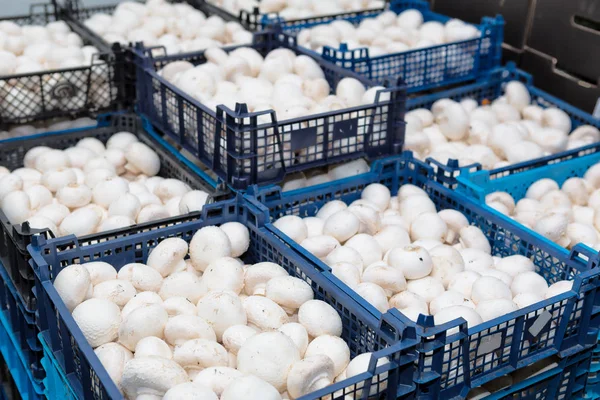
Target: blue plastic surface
<point x="490" y="87"/>
<point x="90" y="380"/>
<point x="420" y="69"/>
<point x="56" y="384"/>
<point x="12" y="347"/>
<point x="446" y="366"/>
<point x="245" y="148"/>
<point x="22" y="327"/>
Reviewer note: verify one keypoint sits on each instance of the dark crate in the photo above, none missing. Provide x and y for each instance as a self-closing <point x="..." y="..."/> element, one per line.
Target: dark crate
<point x="243" y="151"/>
<point x="15" y="239"/>
<point x="64" y="92"/>
<point x="90" y="380"/>
<point x="450" y="365"/>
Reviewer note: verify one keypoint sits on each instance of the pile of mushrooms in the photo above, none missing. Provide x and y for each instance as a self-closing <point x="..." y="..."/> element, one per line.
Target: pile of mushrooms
<point x="208" y="325"/>
<point x="292" y="85"/>
<point x="509" y="130"/>
<point x="400" y="252"/>
<point x="298" y="9"/>
<point x="387" y="33"/>
<point x="567" y="214"/>
<point x="92" y="188"/>
<point x="178" y="27"/>
<point x="46" y="126"/>
<point x="35" y="48"/>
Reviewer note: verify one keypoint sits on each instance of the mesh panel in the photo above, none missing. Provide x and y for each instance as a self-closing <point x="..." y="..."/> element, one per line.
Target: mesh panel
<point x="45" y="95"/>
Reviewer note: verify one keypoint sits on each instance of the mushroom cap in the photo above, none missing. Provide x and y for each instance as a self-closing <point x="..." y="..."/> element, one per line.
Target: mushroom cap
<point x="179" y="305"/>
<point x="234" y="337"/>
<point x="298" y="334"/>
<point x="289" y="292"/>
<point x="269" y="356"/>
<point x="238" y="235"/>
<point x="72" y="284"/>
<point x="139" y="300"/>
<point x="142" y="159"/>
<point x="146" y="320"/>
<point x="200" y="354"/>
<point x="360" y="364"/>
<point x="333" y="347"/>
<point x="151" y="376"/>
<point x="256" y="277"/>
<point x="99" y="320"/>
<point x="222" y="309"/>
<point x="209" y="244"/>
<point x="113" y="357"/>
<point x="414" y="261"/>
<point x="100" y="271"/>
<point x="181" y="328"/>
<point x="264" y="313"/>
<point x="217" y="378"/>
<point x="225" y="273"/>
<point x="184" y="284"/>
<point x="250" y="387"/>
<point x="167" y="254"/>
<point x="152" y="346"/>
<point x="319" y="318"/>
<point x="117" y="290"/>
<point x="310" y="374"/>
<point x="190" y="391"/>
<point x="141" y="276"/>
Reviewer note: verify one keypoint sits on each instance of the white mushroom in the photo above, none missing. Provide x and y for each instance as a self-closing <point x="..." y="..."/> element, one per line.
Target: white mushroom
<point x="154" y="376"/>
<point x="268" y="356"/>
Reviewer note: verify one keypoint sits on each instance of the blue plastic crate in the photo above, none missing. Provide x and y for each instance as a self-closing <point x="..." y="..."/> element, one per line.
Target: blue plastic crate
<point x="516" y="182"/>
<point x="15" y="238"/>
<point x="56" y="384"/>
<point x="22" y="327"/>
<point x="488" y="88"/>
<point x="90" y="380"/>
<point x="421" y="69"/>
<point x="243" y="151"/>
<point x="14" y="345"/>
<point x="63" y="92"/>
<point x="447" y="367"/>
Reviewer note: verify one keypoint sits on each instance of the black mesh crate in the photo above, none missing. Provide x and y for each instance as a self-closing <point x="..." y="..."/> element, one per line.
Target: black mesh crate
<point x="99" y="87"/>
